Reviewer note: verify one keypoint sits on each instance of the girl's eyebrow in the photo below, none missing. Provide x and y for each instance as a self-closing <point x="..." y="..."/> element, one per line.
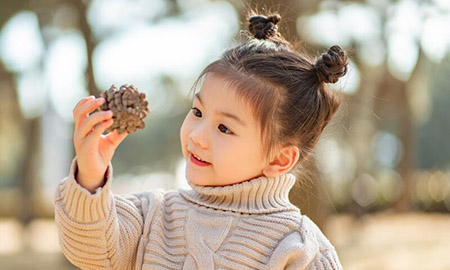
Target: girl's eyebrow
<point x="226" y="114"/>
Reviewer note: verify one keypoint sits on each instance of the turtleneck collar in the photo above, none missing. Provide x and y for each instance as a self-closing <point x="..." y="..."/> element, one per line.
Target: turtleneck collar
<point x="256" y="196"/>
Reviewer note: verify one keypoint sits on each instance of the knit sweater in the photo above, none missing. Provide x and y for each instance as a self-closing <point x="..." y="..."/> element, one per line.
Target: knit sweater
<point x="248" y="225"/>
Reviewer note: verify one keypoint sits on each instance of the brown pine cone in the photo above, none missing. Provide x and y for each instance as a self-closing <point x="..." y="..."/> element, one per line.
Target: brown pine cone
<point x="129" y="108"/>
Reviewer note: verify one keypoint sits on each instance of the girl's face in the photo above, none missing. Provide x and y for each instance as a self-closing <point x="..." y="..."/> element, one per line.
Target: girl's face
<point x="220" y="130"/>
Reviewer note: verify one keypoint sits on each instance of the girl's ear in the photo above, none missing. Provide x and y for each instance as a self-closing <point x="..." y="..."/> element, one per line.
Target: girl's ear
<point x="283" y="161"/>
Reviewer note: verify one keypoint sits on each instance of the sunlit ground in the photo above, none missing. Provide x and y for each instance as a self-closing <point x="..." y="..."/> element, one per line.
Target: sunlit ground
<point x="33" y="247"/>
<point x="413" y="241"/>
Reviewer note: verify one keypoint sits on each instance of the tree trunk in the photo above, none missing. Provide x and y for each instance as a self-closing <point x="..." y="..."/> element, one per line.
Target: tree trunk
<point x="90" y="42"/>
<point x="30" y="172"/>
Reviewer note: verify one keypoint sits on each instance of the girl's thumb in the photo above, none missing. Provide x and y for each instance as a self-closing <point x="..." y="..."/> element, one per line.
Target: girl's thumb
<point x="116" y="138"/>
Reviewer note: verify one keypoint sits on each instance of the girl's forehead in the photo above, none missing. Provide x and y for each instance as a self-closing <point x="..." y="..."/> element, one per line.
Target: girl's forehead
<point x="218" y="88"/>
<point x="218" y="94"/>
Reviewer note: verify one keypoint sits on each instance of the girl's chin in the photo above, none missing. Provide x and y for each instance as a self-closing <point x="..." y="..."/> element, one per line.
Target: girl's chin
<point x="198" y="182"/>
<point x="195" y="179"/>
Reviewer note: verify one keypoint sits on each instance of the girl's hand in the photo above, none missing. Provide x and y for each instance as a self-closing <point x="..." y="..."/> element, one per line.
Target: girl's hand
<point x="94" y="150"/>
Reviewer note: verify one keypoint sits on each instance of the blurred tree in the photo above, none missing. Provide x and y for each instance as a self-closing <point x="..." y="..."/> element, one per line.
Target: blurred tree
<point x="25" y="165"/>
<point x="385" y="100"/>
<point x="81" y="8"/>
<point x="434" y="133"/>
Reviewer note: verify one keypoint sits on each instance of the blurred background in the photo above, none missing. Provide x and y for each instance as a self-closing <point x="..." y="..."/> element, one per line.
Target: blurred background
<point x="378" y="184"/>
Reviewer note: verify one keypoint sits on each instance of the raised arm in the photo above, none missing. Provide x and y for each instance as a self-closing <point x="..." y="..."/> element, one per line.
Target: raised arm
<point x="100" y="230"/>
<point x="97" y="230"/>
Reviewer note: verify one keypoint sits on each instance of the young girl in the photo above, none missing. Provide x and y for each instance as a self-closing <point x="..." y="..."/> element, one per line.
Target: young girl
<point x="258" y="114"/>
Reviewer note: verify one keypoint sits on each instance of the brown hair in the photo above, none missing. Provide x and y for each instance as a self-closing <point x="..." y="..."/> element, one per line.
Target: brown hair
<point x="285" y="89"/>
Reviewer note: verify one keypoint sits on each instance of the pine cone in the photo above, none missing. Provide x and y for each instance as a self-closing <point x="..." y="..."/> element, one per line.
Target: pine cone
<point x="129" y="108"/>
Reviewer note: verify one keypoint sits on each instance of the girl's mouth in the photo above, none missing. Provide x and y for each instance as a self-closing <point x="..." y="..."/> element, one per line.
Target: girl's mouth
<point x="197" y="161"/>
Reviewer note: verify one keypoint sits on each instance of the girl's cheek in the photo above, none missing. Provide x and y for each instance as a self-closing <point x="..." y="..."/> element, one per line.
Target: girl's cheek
<point x="184" y="133"/>
<point x="182" y="130"/>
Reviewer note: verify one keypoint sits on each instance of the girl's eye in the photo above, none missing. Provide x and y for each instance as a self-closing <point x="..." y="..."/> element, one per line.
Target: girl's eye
<point x="224" y="129"/>
<point x="196" y="112"/>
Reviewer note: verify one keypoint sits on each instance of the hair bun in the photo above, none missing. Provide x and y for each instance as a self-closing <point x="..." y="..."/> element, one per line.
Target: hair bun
<point x="263" y="27"/>
<point x="332" y="65"/>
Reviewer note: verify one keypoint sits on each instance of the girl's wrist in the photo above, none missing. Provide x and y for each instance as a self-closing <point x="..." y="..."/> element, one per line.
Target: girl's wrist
<point x="90" y="185"/>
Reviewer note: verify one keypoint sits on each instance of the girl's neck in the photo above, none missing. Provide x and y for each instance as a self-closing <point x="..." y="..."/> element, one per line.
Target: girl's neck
<point x="256" y="196"/>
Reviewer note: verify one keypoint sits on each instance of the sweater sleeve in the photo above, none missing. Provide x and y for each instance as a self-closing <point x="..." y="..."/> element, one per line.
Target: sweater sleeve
<point x="99" y="230"/>
<point x="305" y="249"/>
<point x="326" y="257"/>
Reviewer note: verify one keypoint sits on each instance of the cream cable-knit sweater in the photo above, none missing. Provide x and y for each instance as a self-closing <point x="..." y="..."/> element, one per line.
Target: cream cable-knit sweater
<point x="249" y="225"/>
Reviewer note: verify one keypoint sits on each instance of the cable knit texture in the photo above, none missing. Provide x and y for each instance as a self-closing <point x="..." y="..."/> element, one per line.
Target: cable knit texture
<point x="248" y="225"/>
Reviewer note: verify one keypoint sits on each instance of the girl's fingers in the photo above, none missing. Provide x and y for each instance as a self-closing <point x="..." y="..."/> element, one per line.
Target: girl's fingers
<point x="92" y="120"/>
<point x="80" y="103"/>
<point x="82" y="112"/>
<point x="100" y="128"/>
<point x="83" y="101"/>
<point x="115" y="138"/>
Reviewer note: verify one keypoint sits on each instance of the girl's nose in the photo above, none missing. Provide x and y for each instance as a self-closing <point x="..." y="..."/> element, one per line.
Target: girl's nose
<point x="197" y="136"/>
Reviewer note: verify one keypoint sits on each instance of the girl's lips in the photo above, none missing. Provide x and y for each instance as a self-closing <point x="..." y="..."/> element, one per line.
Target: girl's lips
<point x="198" y="162"/>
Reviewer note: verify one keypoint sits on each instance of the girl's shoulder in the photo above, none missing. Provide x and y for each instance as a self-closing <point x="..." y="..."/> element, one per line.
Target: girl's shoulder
<point x="305" y="248"/>
<point x="302" y="225"/>
<point x="310" y="229"/>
